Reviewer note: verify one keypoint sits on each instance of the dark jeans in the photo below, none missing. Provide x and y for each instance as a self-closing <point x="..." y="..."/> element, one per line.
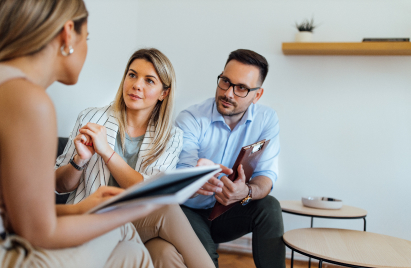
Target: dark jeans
<point x="261" y="217"/>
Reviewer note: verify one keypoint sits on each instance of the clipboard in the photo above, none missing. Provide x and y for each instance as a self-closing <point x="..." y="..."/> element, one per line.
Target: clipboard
<point x="248" y="157"/>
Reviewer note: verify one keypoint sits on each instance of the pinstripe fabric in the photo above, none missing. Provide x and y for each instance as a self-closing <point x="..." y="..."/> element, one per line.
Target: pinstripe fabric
<point x="96" y="173"/>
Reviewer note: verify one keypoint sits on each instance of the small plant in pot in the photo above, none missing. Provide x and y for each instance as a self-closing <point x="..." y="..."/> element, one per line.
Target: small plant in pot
<point x="305" y="31"/>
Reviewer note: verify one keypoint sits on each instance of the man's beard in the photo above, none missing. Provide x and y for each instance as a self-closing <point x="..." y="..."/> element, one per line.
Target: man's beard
<point x="222" y="112"/>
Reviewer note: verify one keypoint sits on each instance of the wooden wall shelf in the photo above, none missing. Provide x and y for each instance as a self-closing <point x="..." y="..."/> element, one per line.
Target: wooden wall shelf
<point x="363" y="48"/>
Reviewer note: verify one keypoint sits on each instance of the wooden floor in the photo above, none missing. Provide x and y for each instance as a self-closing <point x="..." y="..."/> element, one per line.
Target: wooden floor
<point x="231" y="260"/>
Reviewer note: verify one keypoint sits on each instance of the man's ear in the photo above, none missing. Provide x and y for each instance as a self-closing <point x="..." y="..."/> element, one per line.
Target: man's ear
<point x="258" y="95"/>
<point x="67" y="34"/>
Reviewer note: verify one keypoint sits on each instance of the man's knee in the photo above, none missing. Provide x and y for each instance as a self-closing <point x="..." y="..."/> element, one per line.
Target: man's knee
<point x="268" y="204"/>
<point x="269" y="211"/>
<point x="272" y="204"/>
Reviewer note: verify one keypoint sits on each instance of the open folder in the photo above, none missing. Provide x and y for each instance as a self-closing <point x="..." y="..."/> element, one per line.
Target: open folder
<point x="168" y="187"/>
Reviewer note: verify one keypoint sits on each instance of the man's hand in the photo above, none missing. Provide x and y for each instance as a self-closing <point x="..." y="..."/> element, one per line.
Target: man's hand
<point x="233" y="191"/>
<point x="214" y="185"/>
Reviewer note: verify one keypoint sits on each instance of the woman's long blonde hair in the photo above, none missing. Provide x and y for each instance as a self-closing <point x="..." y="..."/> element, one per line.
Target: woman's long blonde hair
<point x="27" y="26"/>
<point x="162" y="115"/>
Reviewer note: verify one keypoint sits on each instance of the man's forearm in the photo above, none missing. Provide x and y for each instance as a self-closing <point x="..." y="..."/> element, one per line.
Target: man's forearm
<point x="261" y="186"/>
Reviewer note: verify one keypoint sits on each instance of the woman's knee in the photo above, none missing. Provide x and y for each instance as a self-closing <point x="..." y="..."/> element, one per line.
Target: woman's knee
<point x="162" y="252"/>
<point x="173" y="215"/>
<point x="172" y="210"/>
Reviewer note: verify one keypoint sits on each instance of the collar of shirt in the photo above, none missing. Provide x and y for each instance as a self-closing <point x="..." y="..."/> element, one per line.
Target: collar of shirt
<point x="248" y="115"/>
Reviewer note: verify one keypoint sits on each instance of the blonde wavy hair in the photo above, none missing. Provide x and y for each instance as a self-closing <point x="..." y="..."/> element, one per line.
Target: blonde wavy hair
<point x="27" y="26"/>
<point x="162" y="115"/>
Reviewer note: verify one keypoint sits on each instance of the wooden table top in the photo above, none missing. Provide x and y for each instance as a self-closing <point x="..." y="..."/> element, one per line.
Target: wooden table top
<point x="351" y="247"/>
<point x="295" y="206"/>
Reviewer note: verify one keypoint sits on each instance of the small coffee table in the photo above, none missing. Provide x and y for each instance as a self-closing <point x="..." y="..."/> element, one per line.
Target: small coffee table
<point x="349" y="247"/>
<point x="346" y="212"/>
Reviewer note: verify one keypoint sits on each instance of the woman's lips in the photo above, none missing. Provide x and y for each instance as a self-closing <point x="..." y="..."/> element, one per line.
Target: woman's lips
<point x="134" y="97"/>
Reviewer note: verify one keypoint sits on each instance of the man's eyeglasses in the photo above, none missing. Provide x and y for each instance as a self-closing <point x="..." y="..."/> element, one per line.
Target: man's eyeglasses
<point x="239" y="90"/>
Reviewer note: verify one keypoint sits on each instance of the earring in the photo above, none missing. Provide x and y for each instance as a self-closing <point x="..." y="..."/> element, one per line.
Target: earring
<point x="64" y="53"/>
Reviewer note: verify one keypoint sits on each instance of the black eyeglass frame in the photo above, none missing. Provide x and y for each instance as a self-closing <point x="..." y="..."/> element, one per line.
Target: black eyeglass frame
<point x="233" y="85"/>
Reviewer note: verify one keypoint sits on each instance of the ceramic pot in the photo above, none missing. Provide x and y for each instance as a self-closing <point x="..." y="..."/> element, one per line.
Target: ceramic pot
<point x="303" y="37"/>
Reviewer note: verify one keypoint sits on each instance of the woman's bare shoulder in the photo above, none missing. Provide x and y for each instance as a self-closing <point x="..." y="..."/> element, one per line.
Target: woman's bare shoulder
<point x="21" y="100"/>
<point x="21" y="95"/>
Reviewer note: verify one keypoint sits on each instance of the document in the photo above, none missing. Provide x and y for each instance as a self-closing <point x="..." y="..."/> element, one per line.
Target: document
<point x="168" y="187"/>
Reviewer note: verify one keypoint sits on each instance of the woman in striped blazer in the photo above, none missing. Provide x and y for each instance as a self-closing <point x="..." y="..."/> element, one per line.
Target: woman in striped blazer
<point x="125" y="143"/>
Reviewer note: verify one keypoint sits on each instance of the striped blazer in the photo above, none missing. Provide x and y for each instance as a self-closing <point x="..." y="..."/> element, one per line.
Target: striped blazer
<point x="96" y="173"/>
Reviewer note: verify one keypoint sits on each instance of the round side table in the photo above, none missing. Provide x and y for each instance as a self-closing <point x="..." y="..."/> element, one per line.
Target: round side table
<point x="349" y="247"/>
<point x="346" y="212"/>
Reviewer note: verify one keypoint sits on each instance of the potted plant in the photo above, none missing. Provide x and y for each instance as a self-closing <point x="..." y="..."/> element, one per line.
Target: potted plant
<point x="305" y="31"/>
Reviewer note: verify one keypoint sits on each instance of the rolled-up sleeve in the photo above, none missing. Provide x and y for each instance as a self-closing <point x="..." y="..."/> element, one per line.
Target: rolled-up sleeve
<point x="268" y="164"/>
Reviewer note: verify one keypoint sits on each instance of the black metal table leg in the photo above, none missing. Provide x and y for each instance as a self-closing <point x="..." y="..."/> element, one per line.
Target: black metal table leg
<point x="309" y="259"/>
<point x="320" y="263"/>
<point x="365" y="225"/>
<point x="292" y="258"/>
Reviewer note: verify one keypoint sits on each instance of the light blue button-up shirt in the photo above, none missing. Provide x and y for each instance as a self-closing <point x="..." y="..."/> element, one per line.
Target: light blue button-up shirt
<point x="206" y="135"/>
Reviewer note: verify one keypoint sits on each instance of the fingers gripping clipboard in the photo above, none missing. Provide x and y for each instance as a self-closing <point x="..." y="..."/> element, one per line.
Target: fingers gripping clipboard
<point x="248" y="157"/>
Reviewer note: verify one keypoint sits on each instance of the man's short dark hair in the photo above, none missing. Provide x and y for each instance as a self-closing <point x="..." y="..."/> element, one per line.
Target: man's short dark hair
<point x="250" y="57"/>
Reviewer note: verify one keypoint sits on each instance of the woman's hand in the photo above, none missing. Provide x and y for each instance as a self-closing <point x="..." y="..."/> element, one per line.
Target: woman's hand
<point x="106" y="192"/>
<point x="84" y="148"/>
<point x="98" y="135"/>
<point x="102" y="194"/>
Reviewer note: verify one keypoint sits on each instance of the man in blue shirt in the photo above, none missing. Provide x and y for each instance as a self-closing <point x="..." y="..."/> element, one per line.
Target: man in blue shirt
<point x="214" y="132"/>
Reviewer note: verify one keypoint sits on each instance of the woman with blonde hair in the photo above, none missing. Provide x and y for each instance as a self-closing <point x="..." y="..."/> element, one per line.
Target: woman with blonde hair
<point x="125" y="143"/>
<point x="42" y="41"/>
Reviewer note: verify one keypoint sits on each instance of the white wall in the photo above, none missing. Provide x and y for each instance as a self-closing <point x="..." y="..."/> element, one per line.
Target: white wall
<point x="345" y="121"/>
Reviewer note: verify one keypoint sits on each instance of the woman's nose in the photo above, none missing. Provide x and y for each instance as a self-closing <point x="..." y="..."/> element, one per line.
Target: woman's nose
<point x="138" y="84"/>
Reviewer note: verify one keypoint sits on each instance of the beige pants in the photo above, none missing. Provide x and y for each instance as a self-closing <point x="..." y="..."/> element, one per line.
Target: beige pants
<point x="171" y="240"/>
<point x="121" y="247"/>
